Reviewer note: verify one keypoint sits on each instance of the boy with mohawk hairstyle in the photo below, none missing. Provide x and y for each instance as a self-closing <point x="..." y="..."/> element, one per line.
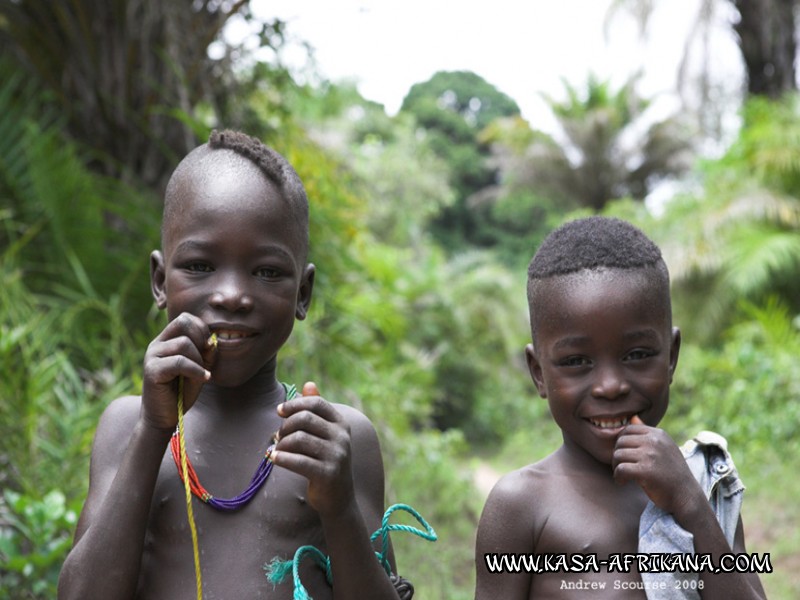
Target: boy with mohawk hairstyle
<point x="604" y="353"/>
<point x="232" y="275"/>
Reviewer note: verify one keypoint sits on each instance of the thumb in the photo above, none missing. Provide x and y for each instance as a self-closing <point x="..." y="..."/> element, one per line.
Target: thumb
<point x="635" y="420"/>
<point x="310" y="389"/>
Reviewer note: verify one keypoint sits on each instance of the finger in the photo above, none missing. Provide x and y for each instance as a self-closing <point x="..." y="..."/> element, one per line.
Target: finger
<point x="635" y="420"/>
<point x="190" y="326"/>
<point x="315" y="404"/>
<point x="310" y="389"/>
<point x="302" y="442"/>
<point x="312" y="468"/>
<point x="625" y="472"/>
<point x="630" y="438"/>
<point x="186" y="324"/>
<point x="168" y="368"/>
<point x="177" y="346"/>
<point x="310" y="423"/>
<point x="619" y="457"/>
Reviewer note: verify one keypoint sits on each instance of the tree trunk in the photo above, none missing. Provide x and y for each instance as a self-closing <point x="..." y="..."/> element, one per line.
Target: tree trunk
<point x="766" y="39"/>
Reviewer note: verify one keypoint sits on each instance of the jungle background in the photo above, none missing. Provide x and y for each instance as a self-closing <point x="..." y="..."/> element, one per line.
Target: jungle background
<point x="422" y="225"/>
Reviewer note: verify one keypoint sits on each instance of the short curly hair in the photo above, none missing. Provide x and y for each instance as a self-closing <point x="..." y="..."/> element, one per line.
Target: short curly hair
<point x="274" y="167"/>
<point x="593" y="244"/>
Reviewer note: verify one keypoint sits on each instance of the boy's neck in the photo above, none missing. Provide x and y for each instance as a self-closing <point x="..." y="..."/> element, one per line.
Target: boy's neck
<point x="263" y="390"/>
<point x="575" y="458"/>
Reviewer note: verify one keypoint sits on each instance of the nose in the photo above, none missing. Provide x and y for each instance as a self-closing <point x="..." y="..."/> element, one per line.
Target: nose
<point x="610" y="383"/>
<point x="231" y="295"/>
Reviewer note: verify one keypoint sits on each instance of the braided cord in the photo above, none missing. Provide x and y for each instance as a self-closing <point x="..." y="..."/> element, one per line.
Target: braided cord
<point x="187" y="487"/>
<point x="277" y="570"/>
<point x="428" y="533"/>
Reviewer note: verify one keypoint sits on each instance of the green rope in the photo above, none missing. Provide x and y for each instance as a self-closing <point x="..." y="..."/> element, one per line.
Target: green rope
<point x="277" y="569"/>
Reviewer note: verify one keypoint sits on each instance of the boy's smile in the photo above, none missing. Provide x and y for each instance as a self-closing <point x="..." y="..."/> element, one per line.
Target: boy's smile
<point x="604" y="352"/>
<point x="234" y="256"/>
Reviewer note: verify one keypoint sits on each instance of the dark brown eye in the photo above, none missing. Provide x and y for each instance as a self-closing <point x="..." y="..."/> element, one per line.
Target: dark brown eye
<point x="199" y="268"/>
<point x="575" y="361"/>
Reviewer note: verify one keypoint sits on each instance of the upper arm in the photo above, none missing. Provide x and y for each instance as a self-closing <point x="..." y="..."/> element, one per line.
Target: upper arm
<point x="739" y="548"/>
<point x="506" y="527"/>
<point x="110" y="441"/>
<point x="367" y="465"/>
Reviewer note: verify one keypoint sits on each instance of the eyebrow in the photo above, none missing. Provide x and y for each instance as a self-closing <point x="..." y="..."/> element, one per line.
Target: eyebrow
<point x="576" y="340"/>
<point x="641" y="334"/>
<point x="191" y="245"/>
<point x="572" y="340"/>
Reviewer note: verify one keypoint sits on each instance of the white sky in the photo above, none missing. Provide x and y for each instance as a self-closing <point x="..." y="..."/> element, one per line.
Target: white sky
<point x="523" y="47"/>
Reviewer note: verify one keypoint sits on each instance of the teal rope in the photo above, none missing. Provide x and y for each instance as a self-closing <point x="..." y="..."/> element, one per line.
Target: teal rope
<point x="428" y="534"/>
<point x="277" y="570"/>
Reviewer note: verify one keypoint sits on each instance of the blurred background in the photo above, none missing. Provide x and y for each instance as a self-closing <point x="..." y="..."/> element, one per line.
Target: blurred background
<point x="439" y="143"/>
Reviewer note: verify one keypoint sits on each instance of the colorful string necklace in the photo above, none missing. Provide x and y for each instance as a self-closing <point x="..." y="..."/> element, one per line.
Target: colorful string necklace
<point x="226" y="504"/>
<point x="192" y="483"/>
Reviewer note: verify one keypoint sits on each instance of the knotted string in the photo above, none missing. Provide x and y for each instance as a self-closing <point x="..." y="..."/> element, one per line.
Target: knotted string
<point x="277" y="569"/>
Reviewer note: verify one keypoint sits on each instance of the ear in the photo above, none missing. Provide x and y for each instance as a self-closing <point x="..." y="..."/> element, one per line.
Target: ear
<point x="535" y="368"/>
<point x="158" y="276"/>
<point x="304" y="293"/>
<point x="674" y="351"/>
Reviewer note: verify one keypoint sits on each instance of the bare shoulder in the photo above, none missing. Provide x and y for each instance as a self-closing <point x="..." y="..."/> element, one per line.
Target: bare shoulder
<point x="514" y="507"/>
<point x="115" y="428"/>
<point x="510" y="524"/>
<point x="362" y="431"/>
<point x="519" y="487"/>
<point x="111" y="439"/>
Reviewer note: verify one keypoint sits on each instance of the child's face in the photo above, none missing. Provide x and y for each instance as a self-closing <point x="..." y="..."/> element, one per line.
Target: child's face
<point x="233" y="256"/>
<point x="604" y="351"/>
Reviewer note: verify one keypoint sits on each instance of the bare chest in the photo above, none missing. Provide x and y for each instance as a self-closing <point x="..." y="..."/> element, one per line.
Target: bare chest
<point x="590" y="524"/>
<point x="600" y="519"/>
<point x="234" y="546"/>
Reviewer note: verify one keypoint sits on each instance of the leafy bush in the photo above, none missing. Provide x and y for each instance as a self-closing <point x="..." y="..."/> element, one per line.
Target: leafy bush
<point x="35" y="534"/>
<point x="747" y="389"/>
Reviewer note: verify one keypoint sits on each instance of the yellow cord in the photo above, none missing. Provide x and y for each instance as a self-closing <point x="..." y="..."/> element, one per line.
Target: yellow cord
<point x="185" y="472"/>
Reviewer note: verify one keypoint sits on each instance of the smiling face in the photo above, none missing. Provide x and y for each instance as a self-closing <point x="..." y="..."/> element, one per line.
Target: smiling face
<point x="234" y="256"/>
<point x="604" y="350"/>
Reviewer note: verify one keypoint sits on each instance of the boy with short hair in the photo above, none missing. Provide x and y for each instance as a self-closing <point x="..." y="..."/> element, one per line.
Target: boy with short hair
<point x="603" y="355"/>
<point x="233" y="276"/>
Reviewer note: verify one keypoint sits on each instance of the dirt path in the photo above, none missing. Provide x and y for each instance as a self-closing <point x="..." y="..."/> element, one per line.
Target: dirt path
<point x="484" y="477"/>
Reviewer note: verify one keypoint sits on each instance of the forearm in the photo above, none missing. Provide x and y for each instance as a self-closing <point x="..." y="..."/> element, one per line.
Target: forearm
<point x="106" y="557"/>
<point x="355" y="567"/>
<point x="700" y="521"/>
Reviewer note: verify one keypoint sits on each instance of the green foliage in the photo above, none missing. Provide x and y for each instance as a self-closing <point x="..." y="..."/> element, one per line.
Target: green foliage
<point x="35" y="533"/>
<point x="452" y="108"/>
<point x="606" y="148"/>
<point x="425" y="474"/>
<point x="118" y="71"/>
<point x="746" y="390"/>
<point x="737" y="238"/>
<point x="461" y="93"/>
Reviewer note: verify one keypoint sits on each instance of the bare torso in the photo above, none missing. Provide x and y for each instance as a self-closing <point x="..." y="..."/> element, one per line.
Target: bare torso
<point x="234" y="546"/>
<point x="564" y="507"/>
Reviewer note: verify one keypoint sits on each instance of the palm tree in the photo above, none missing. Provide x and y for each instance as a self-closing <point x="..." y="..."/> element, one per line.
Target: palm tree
<point x="124" y="73"/>
<point x="740" y="238"/>
<point x="604" y="150"/>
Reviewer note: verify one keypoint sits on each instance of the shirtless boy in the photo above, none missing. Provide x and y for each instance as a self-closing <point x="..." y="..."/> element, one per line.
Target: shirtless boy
<point x="233" y="263"/>
<point x="603" y="355"/>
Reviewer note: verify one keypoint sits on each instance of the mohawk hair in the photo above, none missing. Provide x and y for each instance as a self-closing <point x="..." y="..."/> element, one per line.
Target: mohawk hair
<point x="271" y="164"/>
<point x="276" y="168"/>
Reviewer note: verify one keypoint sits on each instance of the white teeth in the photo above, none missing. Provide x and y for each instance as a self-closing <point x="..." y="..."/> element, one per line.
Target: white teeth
<point x="607" y="424"/>
<point x="230" y="335"/>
